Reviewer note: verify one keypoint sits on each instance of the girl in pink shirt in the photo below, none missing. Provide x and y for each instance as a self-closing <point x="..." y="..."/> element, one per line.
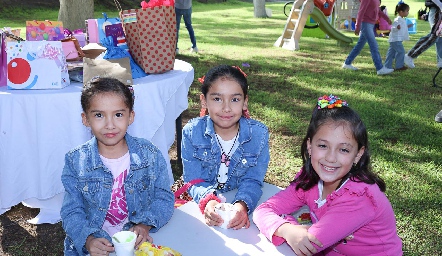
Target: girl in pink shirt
<point x="350" y="213"/>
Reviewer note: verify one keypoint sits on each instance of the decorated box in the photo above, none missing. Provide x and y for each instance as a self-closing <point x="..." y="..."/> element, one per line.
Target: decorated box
<point x="36" y="65"/>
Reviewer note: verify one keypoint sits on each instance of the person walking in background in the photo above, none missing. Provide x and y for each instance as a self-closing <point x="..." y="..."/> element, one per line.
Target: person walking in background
<point x="425" y="42"/>
<point x="183" y="8"/>
<point x="399" y="33"/>
<point x="225" y="148"/>
<point x="350" y="213"/>
<point x="368" y="15"/>
<point x="114" y="181"/>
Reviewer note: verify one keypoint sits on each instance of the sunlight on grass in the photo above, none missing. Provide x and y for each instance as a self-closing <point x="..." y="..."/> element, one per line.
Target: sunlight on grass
<point x="398" y="110"/>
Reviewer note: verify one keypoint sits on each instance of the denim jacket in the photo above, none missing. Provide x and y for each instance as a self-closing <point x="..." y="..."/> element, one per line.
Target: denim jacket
<point x="88" y="185"/>
<point x="201" y="157"/>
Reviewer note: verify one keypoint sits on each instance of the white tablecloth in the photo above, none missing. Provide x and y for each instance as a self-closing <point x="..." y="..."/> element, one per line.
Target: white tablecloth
<point x="187" y="233"/>
<point x="37" y="128"/>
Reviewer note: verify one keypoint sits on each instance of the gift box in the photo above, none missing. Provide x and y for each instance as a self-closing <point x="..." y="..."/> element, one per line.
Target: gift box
<point x="78" y="34"/>
<point x="44" y="30"/>
<point x="36" y="65"/>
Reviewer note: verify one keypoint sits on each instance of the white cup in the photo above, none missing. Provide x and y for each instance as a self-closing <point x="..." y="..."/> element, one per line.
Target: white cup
<point x="226" y="211"/>
<point x="124" y="243"/>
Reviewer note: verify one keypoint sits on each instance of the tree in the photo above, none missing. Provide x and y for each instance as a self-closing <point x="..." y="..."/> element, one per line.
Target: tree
<point x="259" y="8"/>
<point x="73" y="13"/>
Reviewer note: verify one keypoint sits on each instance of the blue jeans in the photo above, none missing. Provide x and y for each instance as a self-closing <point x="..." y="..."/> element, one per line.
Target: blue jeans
<point x="187" y="16"/>
<point x="427" y="41"/>
<point x="395" y="51"/>
<point x="366" y="35"/>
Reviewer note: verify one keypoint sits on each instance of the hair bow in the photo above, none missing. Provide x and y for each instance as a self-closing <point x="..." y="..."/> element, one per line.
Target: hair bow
<point x="331" y="101"/>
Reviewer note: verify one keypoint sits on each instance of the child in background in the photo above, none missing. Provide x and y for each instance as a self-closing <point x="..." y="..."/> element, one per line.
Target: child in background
<point x="383" y="23"/>
<point x="425" y="42"/>
<point x="114" y="181"/>
<point x="350" y="213"/>
<point x="225" y="148"/>
<point x="368" y="15"/>
<point x="399" y="33"/>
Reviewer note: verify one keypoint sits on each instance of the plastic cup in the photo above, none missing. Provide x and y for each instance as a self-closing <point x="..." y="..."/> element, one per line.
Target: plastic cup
<point x="124" y="243"/>
<point x="226" y="211"/>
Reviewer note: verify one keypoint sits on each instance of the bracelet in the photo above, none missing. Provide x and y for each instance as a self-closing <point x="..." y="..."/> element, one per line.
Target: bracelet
<point x="203" y="202"/>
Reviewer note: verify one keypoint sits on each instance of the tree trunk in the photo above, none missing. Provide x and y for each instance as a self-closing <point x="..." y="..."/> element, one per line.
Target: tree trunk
<point x="73" y="13"/>
<point x="259" y="8"/>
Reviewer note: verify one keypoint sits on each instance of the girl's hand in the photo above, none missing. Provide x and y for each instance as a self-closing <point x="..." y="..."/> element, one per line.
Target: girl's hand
<point x="241" y="218"/>
<point x="357" y="32"/>
<point x="98" y="246"/>
<point x="212" y="218"/>
<point x="299" y="239"/>
<point x="142" y="232"/>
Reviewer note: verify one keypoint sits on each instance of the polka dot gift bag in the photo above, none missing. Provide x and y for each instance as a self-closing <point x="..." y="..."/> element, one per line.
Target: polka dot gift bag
<point x="151" y="34"/>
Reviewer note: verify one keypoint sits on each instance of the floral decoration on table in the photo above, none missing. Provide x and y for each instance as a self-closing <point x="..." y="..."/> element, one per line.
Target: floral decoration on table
<point x="148" y="249"/>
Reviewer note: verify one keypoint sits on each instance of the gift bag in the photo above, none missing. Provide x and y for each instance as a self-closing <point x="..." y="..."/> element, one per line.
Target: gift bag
<point x="44" y="30"/>
<point x="102" y="23"/>
<point x="92" y="31"/>
<point x="115" y="68"/>
<point x="116" y="32"/>
<point x="36" y="65"/>
<point x="151" y="35"/>
<point x="72" y="49"/>
<point x="3" y="65"/>
<point x="115" y="52"/>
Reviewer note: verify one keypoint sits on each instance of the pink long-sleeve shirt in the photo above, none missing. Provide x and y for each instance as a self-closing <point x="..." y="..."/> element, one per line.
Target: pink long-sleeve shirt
<point x="356" y="208"/>
<point x="369" y="12"/>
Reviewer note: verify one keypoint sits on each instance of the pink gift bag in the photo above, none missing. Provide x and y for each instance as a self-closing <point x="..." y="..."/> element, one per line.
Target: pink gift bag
<point x="92" y="31"/>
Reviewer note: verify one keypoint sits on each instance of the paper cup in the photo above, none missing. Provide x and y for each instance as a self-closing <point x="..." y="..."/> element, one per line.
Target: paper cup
<point x="226" y="211"/>
<point x="124" y="243"/>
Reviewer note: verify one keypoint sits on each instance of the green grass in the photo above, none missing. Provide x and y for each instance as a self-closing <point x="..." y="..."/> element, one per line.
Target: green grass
<point x="398" y="109"/>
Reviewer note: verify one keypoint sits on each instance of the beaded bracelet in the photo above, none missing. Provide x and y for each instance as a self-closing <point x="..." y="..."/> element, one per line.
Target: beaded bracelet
<point x="203" y="202"/>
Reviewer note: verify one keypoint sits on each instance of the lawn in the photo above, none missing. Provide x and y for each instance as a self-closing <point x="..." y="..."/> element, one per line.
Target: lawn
<point x="398" y="109"/>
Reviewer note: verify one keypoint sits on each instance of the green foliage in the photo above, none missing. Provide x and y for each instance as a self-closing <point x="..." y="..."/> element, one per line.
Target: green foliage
<point x="398" y="109"/>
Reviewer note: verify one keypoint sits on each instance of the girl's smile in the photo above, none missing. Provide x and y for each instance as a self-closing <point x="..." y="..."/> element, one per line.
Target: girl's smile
<point x="333" y="151"/>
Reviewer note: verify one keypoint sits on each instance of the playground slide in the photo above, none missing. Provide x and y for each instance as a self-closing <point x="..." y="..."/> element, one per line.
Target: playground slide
<point x="325" y="26"/>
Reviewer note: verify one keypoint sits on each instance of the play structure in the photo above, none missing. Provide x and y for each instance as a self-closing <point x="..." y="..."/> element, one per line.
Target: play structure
<point x="318" y="10"/>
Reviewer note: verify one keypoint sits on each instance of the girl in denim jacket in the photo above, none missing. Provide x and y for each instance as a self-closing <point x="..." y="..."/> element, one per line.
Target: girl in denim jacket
<point x="225" y="148"/>
<point x="114" y="181"/>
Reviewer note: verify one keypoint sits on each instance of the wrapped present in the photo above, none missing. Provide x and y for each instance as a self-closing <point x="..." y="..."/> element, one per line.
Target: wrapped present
<point x="151" y="34"/>
<point x="44" y="30"/>
<point x="72" y="49"/>
<point x="78" y="34"/>
<point x="36" y="65"/>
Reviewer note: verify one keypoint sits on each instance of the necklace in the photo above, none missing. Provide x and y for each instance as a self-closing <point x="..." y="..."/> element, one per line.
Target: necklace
<point x="225" y="162"/>
<point x="225" y="158"/>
